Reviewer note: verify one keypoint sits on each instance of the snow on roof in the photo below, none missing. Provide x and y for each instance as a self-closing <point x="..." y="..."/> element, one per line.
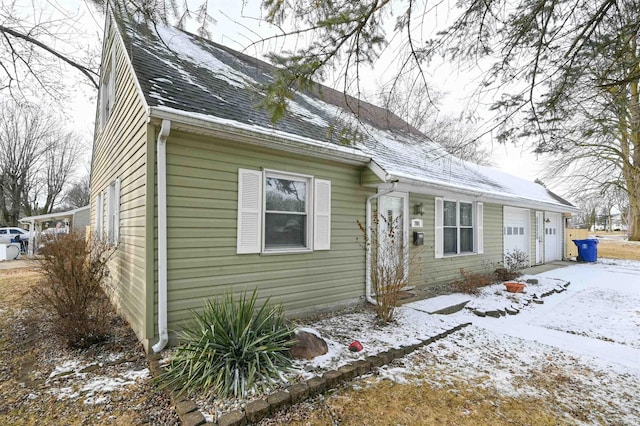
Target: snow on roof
<point x="185" y="73"/>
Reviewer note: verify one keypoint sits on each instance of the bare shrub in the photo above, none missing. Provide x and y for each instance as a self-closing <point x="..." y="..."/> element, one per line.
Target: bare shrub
<point x="472" y="282"/>
<point x="515" y="261"/>
<point x="503" y="274"/>
<point x="72" y="289"/>
<point x="391" y="263"/>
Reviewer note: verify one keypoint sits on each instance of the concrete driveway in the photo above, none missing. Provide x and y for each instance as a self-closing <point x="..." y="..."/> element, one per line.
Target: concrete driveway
<point x="598" y="315"/>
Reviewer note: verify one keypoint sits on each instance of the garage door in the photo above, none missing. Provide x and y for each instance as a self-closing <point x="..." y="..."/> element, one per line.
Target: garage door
<point x="516" y="230"/>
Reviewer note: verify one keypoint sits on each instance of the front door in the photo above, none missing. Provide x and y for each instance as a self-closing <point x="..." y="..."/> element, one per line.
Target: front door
<point x="393" y="230"/>
<point x="552" y="237"/>
<point x="539" y="237"/>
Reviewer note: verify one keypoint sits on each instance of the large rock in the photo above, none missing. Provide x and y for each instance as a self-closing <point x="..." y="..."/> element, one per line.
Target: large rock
<point x="308" y="346"/>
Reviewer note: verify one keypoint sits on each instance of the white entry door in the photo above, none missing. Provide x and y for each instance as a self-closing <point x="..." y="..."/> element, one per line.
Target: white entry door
<point x="516" y="230"/>
<point x="539" y="237"/>
<point x="392" y="209"/>
<point x="552" y="237"/>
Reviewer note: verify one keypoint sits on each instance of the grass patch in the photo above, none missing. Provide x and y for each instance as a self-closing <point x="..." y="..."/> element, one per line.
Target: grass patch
<point x="28" y="353"/>
<point x="629" y="250"/>
<point x="385" y="403"/>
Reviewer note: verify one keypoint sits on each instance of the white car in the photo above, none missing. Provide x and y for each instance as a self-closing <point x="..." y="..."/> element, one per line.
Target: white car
<point x="9" y="234"/>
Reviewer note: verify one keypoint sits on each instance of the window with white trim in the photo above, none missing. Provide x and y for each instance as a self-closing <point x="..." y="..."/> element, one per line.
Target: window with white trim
<point x="107" y="88"/>
<point x="282" y="212"/>
<point x="113" y="212"/>
<point x="99" y="215"/>
<point x="286" y="222"/>
<point x="458" y="228"/>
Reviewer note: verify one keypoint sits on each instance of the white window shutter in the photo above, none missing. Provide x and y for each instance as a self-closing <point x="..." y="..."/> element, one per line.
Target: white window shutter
<point x="479" y="228"/>
<point x="439" y="230"/>
<point x="249" y="211"/>
<point x="116" y="213"/>
<point x="99" y="216"/>
<point x="322" y="215"/>
<point x="112" y="77"/>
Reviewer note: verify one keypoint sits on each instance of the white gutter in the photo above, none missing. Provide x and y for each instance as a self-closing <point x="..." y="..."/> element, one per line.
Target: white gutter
<point x="162" y="236"/>
<point x="260" y="136"/>
<point x="367" y="280"/>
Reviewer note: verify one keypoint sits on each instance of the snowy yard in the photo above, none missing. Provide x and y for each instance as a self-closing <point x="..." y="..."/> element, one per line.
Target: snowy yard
<point x="577" y="355"/>
<point x="573" y="360"/>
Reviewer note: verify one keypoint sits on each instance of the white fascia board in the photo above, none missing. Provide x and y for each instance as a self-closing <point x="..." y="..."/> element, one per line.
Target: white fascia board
<point x="378" y="171"/>
<point x="448" y="190"/>
<point x="49" y="216"/>
<point x="256" y="135"/>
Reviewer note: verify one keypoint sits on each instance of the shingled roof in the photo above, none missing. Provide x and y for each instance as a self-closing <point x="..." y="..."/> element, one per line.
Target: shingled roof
<point x="182" y="72"/>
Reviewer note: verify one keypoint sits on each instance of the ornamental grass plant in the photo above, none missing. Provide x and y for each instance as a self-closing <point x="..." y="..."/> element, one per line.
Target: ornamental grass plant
<point x="231" y="348"/>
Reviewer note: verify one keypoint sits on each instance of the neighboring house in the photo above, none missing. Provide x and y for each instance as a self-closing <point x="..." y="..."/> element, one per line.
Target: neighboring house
<point x="203" y="194"/>
<point x="77" y="219"/>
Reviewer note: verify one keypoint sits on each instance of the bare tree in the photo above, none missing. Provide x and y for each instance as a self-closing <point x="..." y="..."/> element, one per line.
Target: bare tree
<point x="24" y="134"/>
<point x="36" y="160"/>
<point x="419" y="107"/>
<point x="563" y="74"/>
<point x="79" y="194"/>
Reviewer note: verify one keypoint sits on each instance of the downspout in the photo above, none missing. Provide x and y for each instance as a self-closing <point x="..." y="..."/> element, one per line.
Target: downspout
<point x="162" y="236"/>
<point x="368" y="291"/>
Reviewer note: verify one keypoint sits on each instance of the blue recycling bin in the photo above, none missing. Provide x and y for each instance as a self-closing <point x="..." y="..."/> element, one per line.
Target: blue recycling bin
<point x="587" y="250"/>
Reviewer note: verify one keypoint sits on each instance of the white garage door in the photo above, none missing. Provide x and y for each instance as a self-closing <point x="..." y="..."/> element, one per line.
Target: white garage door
<point x="516" y="230"/>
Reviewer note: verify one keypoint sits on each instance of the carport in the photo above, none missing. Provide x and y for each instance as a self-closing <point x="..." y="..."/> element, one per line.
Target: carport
<point x="72" y="219"/>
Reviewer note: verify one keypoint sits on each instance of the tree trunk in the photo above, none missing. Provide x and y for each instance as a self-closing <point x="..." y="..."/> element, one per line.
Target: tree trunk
<point x="634" y="213"/>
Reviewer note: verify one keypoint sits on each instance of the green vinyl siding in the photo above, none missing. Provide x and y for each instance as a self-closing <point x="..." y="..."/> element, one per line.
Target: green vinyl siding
<point x="202" y="196"/>
<point x="369" y="178"/>
<point x="431" y="271"/>
<point x="120" y="151"/>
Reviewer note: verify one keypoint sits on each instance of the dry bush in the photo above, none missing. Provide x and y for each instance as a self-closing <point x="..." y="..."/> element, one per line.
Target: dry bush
<point x="391" y="263"/>
<point x="503" y="274"/>
<point x="472" y="282"/>
<point x="73" y="288"/>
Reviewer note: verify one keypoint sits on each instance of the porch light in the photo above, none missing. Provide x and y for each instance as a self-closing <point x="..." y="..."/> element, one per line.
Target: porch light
<point x="418" y="209"/>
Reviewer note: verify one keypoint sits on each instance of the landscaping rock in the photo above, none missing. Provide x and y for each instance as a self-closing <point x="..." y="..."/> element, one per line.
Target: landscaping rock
<point x="362" y="367"/>
<point x="277" y="400"/>
<point x="532" y="281"/>
<point x="185" y="406"/>
<point x="348" y="371"/>
<point x="538" y="301"/>
<point x="376" y="361"/>
<point x="494" y="314"/>
<point x="234" y="418"/>
<point x="257" y="410"/>
<point x="90" y="368"/>
<point x="316" y="385"/>
<point x="333" y="378"/>
<point x="195" y="418"/>
<point x="308" y="346"/>
<point x="479" y="313"/>
<point x="511" y="311"/>
<point x="298" y="392"/>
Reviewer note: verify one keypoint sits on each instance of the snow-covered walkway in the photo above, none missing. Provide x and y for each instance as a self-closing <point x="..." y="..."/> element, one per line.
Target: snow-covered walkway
<point x="598" y="315"/>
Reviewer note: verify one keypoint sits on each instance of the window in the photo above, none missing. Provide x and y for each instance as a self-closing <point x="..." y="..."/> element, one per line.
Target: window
<point x="459" y="227"/>
<point x="113" y="212"/>
<point x="99" y="215"/>
<point x="109" y="227"/>
<point x="285" y="215"/>
<point x="107" y="88"/>
<point x="282" y="212"/>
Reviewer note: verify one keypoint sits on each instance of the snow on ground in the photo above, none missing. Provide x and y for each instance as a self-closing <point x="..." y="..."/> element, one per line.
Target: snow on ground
<point x="410" y="327"/>
<point x="580" y="349"/>
<point x="73" y="379"/>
